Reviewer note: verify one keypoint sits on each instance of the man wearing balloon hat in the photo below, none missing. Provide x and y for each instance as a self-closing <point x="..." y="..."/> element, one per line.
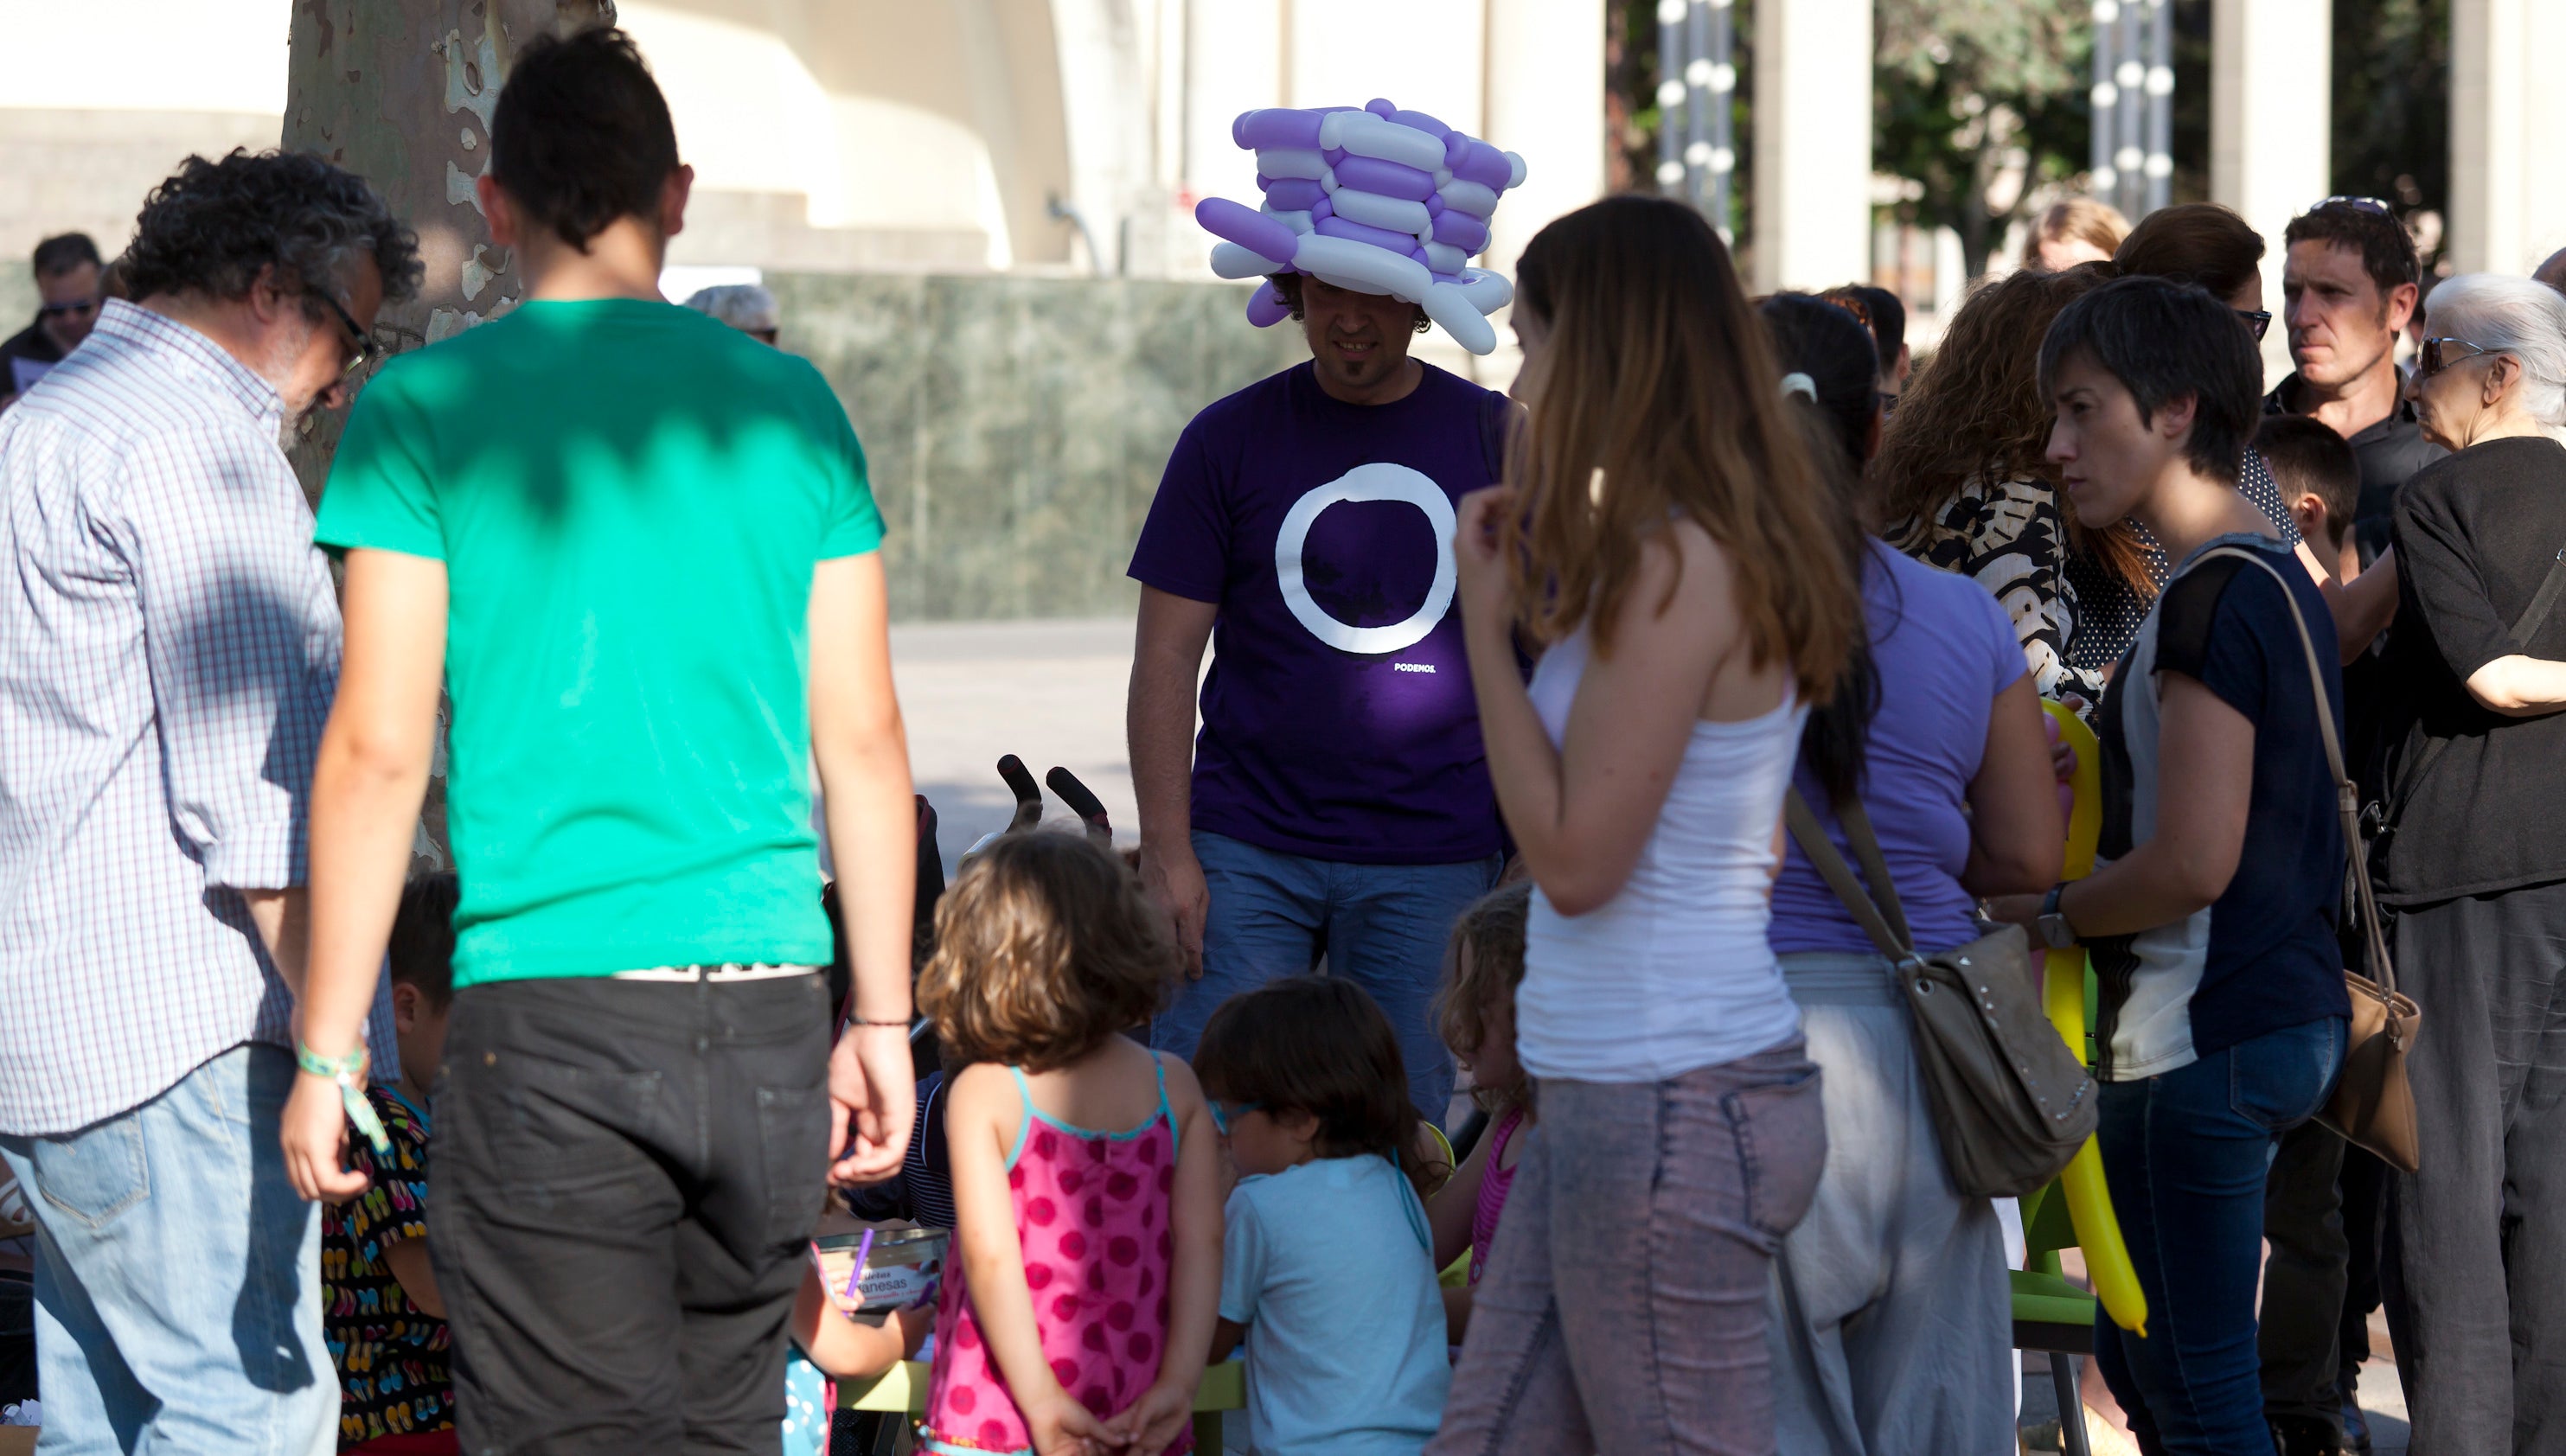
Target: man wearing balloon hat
<point x="1337" y="801"/>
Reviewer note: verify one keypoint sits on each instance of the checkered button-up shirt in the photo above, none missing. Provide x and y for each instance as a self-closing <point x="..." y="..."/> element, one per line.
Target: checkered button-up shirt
<point x="169" y="649"/>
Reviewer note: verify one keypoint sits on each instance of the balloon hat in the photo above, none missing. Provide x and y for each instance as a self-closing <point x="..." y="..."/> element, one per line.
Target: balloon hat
<point x="1375" y="199"/>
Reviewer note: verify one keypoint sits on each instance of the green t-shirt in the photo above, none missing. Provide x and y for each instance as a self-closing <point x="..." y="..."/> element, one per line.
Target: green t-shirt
<point x="628" y="498"/>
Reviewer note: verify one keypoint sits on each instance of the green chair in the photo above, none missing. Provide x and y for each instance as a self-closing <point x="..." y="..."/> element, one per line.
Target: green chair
<point x="903" y="1389"/>
<point x="2050" y="1314"/>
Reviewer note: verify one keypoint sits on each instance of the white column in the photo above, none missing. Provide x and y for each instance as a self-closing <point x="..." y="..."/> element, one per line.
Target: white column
<point x="1812" y="200"/>
<point x="1234" y="64"/>
<point x="2270" y="91"/>
<point x="2507" y="212"/>
<point x="1544" y="100"/>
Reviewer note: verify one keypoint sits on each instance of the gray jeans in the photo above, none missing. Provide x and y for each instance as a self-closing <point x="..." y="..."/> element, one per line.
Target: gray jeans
<point x="2476" y="1275"/>
<point x="1622" y="1309"/>
<point x="1892" y="1320"/>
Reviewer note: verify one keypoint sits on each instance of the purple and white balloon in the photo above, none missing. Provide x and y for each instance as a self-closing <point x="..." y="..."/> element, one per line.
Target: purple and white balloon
<point x="1370" y="199"/>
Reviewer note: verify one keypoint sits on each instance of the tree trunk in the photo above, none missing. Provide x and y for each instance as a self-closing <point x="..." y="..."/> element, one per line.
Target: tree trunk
<point x="400" y="91"/>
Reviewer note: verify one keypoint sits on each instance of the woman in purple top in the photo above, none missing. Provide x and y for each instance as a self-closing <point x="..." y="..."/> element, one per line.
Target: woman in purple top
<point x="1890" y="1328"/>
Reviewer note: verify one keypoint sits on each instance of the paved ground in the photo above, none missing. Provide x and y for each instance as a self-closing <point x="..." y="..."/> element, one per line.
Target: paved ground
<point x="1049" y="692"/>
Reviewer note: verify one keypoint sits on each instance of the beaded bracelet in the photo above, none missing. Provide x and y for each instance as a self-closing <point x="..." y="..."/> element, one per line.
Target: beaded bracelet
<point x="347" y="1071"/>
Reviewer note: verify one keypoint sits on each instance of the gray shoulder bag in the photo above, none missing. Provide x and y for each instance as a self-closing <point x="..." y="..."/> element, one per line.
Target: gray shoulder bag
<point x="2011" y="1104"/>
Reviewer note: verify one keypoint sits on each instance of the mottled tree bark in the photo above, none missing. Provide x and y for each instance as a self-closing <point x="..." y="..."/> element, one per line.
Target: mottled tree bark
<point x="400" y="92"/>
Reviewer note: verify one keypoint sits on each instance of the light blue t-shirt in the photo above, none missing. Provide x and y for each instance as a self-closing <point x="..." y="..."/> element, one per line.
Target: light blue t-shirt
<point x="1330" y="1266"/>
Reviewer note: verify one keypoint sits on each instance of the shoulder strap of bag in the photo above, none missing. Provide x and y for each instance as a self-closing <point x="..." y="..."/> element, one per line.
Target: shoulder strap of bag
<point x="2346" y="798"/>
<point x="2532" y="619"/>
<point x="1891" y="937"/>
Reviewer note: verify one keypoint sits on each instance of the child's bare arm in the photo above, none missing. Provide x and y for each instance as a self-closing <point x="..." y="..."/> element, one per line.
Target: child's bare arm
<point x="1193" y="1276"/>
<point x="844" y="1349"/>
<point x="981" y="1116"/>
<point x="408" y="1261"/>
<point x="1454" y="1204"/>
<point x="1456" y="1313"/>
<point x="1225" y="1340"/>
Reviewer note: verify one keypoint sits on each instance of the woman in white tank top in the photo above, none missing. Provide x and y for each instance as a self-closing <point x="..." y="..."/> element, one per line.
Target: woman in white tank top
<point x="1662" y="535"/>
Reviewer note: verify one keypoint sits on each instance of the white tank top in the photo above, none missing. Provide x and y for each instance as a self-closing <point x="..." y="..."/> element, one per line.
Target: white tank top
<point x="1673" y="973"/>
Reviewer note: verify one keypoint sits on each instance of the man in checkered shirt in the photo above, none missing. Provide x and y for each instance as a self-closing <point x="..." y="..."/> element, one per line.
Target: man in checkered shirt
<point x="168" y="647"/>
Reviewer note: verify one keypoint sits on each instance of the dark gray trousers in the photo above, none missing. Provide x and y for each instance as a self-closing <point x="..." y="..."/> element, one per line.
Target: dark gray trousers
<point x="2476" y="1275"/>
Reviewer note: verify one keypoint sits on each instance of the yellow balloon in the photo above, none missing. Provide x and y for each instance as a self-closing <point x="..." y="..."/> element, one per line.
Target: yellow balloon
<point x="2089" y="1200"/>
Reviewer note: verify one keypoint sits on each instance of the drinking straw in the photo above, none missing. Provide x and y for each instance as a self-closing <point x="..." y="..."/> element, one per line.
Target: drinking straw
<point x="864" y="1251"/>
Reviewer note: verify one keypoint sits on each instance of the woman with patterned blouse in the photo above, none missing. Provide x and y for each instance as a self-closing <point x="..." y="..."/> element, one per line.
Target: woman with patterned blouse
<point x="1960" y="482"/>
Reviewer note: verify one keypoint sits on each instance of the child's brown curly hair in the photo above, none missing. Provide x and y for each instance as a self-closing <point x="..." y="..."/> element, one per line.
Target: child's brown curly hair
<point x="1484" y="961"/>
<point x="1044" y="947"/>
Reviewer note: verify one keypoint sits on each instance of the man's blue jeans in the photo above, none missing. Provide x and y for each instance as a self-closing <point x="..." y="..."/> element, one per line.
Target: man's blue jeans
<point x="2186" y="1154"/>
<point x="177" y="1275"/>
<point x="1382" y="926"/>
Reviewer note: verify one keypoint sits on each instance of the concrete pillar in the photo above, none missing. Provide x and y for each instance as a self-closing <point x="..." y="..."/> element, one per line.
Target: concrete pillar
<point x="2507" y="212"/>
<point x="1545" y="99"/>
<point x="1812" y="76"/>
<point x="2270" y="94"/>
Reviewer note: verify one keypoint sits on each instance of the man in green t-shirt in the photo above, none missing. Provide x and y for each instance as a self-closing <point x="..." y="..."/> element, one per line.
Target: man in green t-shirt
<point x="638" y="549"/>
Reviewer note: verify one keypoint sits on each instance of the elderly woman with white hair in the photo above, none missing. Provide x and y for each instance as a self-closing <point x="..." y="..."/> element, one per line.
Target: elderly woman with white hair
<point x="2475" y="867"/>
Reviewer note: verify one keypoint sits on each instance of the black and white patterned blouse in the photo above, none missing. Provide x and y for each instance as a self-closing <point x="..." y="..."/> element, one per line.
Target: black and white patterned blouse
<point x="2072" y="616"/>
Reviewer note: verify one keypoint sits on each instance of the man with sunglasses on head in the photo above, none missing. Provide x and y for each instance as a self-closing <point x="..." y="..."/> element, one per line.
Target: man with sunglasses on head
<point x="2349" y="285"/>
<point x="169" y="643"/>
<point x="67" y="288"/>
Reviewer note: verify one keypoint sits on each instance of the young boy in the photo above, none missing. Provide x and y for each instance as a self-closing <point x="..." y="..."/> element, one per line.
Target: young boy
<point x="385" y="1320"/>
<point x="2320" y="481"/>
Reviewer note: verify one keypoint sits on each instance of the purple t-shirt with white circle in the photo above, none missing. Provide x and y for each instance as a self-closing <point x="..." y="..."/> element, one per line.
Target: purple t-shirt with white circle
<point x="1336" y="721"/>
<point x="1944" y="649"/>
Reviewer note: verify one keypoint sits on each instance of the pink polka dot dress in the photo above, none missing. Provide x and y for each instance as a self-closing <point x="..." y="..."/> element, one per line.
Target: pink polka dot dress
<point x="1092" y="1211"/>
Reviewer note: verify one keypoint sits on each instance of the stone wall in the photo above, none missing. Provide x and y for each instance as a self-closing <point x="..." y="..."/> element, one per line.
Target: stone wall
<point x="1017" y="427"/>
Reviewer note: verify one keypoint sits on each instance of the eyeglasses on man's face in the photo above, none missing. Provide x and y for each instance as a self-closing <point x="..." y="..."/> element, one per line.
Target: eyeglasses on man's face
<point x="362" y="350"/>
<point x="72" y="308"/>
<point x="2437" y="353"/>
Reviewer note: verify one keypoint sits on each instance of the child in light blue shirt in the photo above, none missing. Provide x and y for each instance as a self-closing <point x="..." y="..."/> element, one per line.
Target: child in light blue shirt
<point x="1327" y="1269"/>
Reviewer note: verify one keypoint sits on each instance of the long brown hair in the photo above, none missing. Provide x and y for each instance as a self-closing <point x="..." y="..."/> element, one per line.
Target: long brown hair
<point x="1974" y="415"/>
<point x="1659" y="397"/>
<point x="1483" y="963"/>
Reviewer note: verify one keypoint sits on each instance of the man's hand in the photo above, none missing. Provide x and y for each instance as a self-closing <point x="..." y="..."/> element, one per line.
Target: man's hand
<point x="873" y="1105"/>
<point x="1174" y="880"/>
<point x="314" y="1131"/>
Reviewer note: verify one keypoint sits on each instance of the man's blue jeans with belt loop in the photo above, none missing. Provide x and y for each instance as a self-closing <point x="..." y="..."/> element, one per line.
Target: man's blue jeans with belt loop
<point x="1382" y="926"/>
<point x="177" y="1275"/>
<point x="2186" y="1153"/>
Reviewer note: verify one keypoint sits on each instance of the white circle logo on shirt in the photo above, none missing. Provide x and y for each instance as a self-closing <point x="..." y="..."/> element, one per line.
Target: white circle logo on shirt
<point x="1375" y="482"/>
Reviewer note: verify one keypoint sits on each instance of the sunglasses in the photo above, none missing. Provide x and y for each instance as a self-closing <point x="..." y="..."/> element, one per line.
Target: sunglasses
<point x="1222" y="1113"/>
<point x="364" y="349"/>
<point x="2363" y="204"/>
<point x="2435" y="354"/>
<point x="70" y="310"/>
<point x="2258" y="322"/>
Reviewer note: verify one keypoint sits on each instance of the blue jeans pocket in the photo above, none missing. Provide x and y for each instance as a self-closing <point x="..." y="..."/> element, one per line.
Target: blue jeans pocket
<point x="93" y="1176"/>
<point x="2280" y="1078"/>
<point x="1781" y="1130"/>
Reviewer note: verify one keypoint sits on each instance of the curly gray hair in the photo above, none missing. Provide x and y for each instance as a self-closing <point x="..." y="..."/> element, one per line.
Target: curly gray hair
<point x="214" y="226"/>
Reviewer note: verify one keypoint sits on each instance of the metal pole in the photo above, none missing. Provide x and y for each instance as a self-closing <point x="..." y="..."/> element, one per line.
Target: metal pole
<point x="1670" y="95"/>
<point x="1723" y="98"/>
<point x="2130" y="70"/>
<point x="1698" y="106"/>
<point x="2159" y="104"/>
<point x="2106" y="101"/>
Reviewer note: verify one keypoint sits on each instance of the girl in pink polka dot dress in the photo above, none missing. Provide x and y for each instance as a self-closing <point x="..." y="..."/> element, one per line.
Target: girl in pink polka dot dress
<point x="1078" y="1311"/>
